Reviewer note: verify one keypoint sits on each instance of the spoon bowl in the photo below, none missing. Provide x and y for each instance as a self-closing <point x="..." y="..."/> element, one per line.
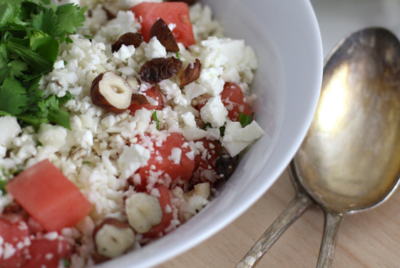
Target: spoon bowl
<point x="350" y="157"/>
<point x="349" y="160"/>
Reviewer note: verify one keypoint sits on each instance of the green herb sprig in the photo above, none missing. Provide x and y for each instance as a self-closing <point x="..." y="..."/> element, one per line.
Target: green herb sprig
<point x="30" y="34"/>
<point x="154" y="116"/>
<point x="245" y="119"/>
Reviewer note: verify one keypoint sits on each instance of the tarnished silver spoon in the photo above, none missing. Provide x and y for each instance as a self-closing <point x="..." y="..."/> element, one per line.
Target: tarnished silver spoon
<point x="349" y="160"/>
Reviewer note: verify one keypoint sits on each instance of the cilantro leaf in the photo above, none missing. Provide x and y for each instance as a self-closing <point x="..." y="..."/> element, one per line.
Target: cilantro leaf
<point x="55" y="114"/>
<point x="45" y="21"/>
<point x="222" y="131"/>
<point x="154" y="116"/>
<point x="40" y="64"/>
<point x="177" y="55"/>
<point x="13" y="98"/>
<point x="207" y="125"/>
<point x="69" y="18"/>
<point x="17" y="67"/>
<point x="8" y="11"/>
<point x="68" y="96"/>
<point x="47" y="47"/>
<point x="245" y="119"/>
<point x="66" y="262"/>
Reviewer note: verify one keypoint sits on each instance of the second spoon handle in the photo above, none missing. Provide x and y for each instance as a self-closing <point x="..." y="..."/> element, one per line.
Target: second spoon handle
<point x="328" y="244"/>
<point x="289" y="215"/>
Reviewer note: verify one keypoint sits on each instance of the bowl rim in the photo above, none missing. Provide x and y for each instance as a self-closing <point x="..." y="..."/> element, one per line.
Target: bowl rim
<point x="285" y="158"/>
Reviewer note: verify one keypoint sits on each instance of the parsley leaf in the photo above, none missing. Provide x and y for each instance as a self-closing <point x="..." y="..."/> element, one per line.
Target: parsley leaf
<point x="207" y="125"/>
<point x="40" y="64"/>
<point x="69" y="18"/>
<point x="30" y="34"/>
<point x="245" y="119"/>
<point x="154" y="116"/>
<point x="222" y="131"/>
<point x="17" y="67"/>
<point x="13" y="98"/>
<point x="45" y="21"/>
<point x="66" y="262"/>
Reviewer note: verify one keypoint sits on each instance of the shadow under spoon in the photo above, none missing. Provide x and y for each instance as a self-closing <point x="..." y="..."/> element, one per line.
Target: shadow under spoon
<point x="349" y="160"/>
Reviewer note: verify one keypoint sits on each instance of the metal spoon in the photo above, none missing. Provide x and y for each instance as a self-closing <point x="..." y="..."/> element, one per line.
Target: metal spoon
<point x="349" y="160"/>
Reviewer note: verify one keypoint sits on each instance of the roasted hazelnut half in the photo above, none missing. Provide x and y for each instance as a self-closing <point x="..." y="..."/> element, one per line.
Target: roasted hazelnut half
<point x="128" y="39"/>
<point x="140" y="99"/>
<point x="111" y="92"/>
<point x="113" y="238"/>
<point x="111" y="10"/>
<point x="156" y="70"/>
<point x="143" y="212"/>
<point x="161" y="30"/>
<point x="191" y="73"/>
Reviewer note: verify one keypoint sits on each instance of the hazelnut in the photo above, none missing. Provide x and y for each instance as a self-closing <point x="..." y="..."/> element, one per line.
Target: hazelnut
<point x="201" y="189"/>
<point x="111" y="92"/>
<point x="113" y="238"/>
<point x="128" y="39"/>
<point x="110" y="9"/>
<point x="140" y="99"/>
<point x="191" y="73"/>
<point x="143" y="212"/>
<point x="164" y="35"/>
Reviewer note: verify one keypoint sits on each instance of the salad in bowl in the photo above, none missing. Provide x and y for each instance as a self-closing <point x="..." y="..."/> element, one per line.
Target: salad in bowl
<point x="117" y="120"/>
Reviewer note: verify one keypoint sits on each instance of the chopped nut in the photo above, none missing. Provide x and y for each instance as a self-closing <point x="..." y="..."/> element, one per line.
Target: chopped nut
<point x="111" y="92"/>
<point x="201" y="189"/>
<point x="191" y="73"/>
<point x="113" y="238"/>
<point x="110" y="9"/>
<point x="143" y="211"/>
<point x="128" y="39"/>
<point x="159" y="69"/>
<point x="139" y="98"/>
<point x="226" y="165"/>
<point x="164" y="35"/>
<point x="133" y="82"/>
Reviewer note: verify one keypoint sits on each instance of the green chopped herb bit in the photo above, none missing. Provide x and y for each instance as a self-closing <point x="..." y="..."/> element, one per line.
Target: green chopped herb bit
<point x="39" y="143"/>
<point x="177" y="55"/>
<point x="207" y="125"/>
<point x="31" y="32"/>
<point x="88" y="36"/>
<point x="87" y="163"/>
<point x="245" y="119"/>
<point x="154" y="116"/>
<point x="66" y="262"/>
<point x="222" y="131"/>
<point x="3" y="186"/>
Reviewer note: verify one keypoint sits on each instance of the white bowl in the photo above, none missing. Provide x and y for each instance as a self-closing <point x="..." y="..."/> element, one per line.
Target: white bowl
<point x="286" y="38"/>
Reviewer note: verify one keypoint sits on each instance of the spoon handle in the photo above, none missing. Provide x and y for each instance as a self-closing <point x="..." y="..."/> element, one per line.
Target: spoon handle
<point x="328" y="244"/>
<point x="289" y="215"/>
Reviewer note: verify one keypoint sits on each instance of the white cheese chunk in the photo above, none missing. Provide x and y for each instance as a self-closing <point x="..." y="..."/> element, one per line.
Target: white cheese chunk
<point x="214" y="112"/>
<point x="131" y="159"/>
<point x="237" y="138"/>
<point x="210" y="79"/>
<point x="155" y="49"/>
<point x="194" y="90"/>
<point x="9" y="129"/>
<point x="176" y="155"/>
<point x="188" y="119"/>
